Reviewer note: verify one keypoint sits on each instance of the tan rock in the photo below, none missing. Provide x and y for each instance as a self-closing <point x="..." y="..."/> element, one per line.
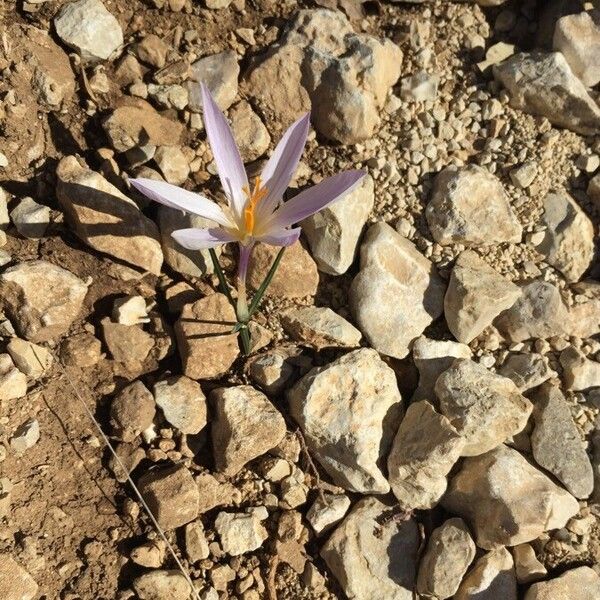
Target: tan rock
<point x="13" y="382"/>
<point x="172" y="495"/>
<point x="250" y="133"/>
<point x="492" y="578"/>
<point x="469" y="206"/>
<point x="349" y="411"/>
<point x="579" y="372"/>
<point x="296" y="276"/>
<point x="106" y="219"/>
<point x="206" y="344"/>
<point x="424" y="450"/>
<point x="527" y="567"/>
<point x="476" y="295"/>
<point x="581" y="583"/>
<point x="127" y="344"/>
<point x="15" y="582"/>
<point x="159" y="584"/>
<point x="506" y="500"/>
<point x="132" y="411"/>
<point x="397" y="292"/>
<point x="245" y="426"/>
<point x="183" y="403"/>
<point x="450" y="550"/>
<point x="41" y="312"/>
<point x="219" y="72"/>
<point x="31" y="359"/>
<point x="241" y="532"/>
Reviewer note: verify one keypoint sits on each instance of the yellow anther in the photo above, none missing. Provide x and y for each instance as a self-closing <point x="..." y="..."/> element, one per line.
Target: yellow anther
<point x="254" y="197"/>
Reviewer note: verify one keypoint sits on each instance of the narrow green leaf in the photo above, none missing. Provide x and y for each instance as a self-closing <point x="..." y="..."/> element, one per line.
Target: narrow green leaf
<point x="265" y="284"/>
<point x="221" y="276"/>
<point x="245" y="337"/>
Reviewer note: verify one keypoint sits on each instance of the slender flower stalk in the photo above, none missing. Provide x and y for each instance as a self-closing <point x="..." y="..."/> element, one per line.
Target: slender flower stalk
<point x="253" y="213"/>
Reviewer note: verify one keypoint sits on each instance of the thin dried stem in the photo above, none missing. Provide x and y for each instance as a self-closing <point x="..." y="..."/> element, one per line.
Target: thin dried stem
<point x="137" y="492"/>
<point x="311" y="466"/>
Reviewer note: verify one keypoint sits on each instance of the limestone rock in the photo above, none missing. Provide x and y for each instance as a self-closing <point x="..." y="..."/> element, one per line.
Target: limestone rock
<point x="134" y="122"/>
<point x="557" y="445"/>
<point x="324" y="515"/>
<point x="132" y="411"/>
<point x="492" y="577"/>
<point x="469" y="206"/>
<point x="373" y="557"/>
<point x="450" y="550"/>
<point x="245" y="426"/>
<point x="83" y="350"/>
<point x="127" y="344"/>
<point x="26" y="436"/>
<point x="296" y="276"/>
<point x="506" y="500"/>
<point x="579" y="372"/>
<point x="89" y="28"/>
<point x="15" y="582"/>
<point x="206" y="344"/>
<point x="543" y="84"/>
<point x="172" y="495"/>
<point x="476" y="295"/>
<point x="348" y="411"/>
<point x="196" y="544"/>
<point x="320" y="328"/>
<point x="527" y="567"/>
<point x="397" y="292"/>
<point x="161" y="584"/>
<point x="568" y="243"/>
<point x="486" y="409"/>
<point x="13" y="382"/>
<point x="106" y="219"/>
<point x="581" y="583"/>
<point x="273" y="369"/>
<point x="41" y="312"/>
<point x="539" y="313"/>
<point x="527" y="370"/>
<point x="172" y="163"/>
<point x="187" y="262"/>
<point x="130" y="310"/>
<point x="432" y="358"/>
<point x="30" y="218"/>
<point x="152" y="51"/>
<point x="31" y="359"/>
<point x="241" y="532"/>
<point x="250" y="133"/>
<point x="333" y="233"/>
<point x="219" y="72"/>
<point x="182" y="402"/>
<point x="425" y="448"/>
<point x="320" y="60"/>
<point x="577" y="37"/>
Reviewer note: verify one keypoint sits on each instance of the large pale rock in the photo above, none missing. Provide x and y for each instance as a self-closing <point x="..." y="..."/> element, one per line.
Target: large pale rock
<point x="579" y="372"/>
<point x="90" y="29"/>
<point x="506" y="500"/>
<point x="13" y="382"/>
<point x="241" y="532"/>
<point x="296" y="276"/>
<point x="160" y="584"/>
<point x="485" y="408"/>
<point x="333" y="233"/>
<point x="397" y="292"/>
<point x="557" y="445"/>
<point x="349" y="411"/>
<point x="106" y="219"/>
<point x="183" y="403"/>
<point x="476" y="295"/>
<point x="320" y="327"/>
<point x="187" y="262"/>
<point x="577" y="37"/>
<point x="527" y="370"/>
<point x="321" y="61"/>
<point x="371" y="556"/>
<point x="15" y="582"/>
<point x="41" y="299"/>
<point x="425" y="448"/>
<point x="469" y="206"/>
<point x="432" y="358"/>
<point x="219" y="72"/>
<point x="538" y="313"/>
<point x="172" y="495"/>
<point x="134" y="122"/>
<point x="250" y="133"/>
<point x="206" y="344"/>
<point x="245" y="426"/>
<point x="132" y="411"/>
<point x="543" y="84"/>
<point x="568" y="243"/>
<point x="450" y="550"/>
<point x="493" y="577"/>
<point x="581" y="583"/>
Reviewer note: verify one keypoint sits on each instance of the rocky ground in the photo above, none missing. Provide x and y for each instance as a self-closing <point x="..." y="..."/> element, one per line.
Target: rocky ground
<point x="419" y="417"/>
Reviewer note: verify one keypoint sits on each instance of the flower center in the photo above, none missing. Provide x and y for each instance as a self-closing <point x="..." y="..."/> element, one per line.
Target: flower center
<point x="254" y="197"/>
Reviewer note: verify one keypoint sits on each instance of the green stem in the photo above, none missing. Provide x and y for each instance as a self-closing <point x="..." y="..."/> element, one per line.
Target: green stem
<point x="221" y="276"/>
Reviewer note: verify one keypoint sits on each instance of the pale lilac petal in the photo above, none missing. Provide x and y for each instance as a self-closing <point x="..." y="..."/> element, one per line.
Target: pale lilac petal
<point x="198" y="239"/>
<point x="176" y="197"/>
<point x="227" y="156"/>
<point x="316" y="198"/>
<point x="282" y="165"/>
<point x="281" y="237"/>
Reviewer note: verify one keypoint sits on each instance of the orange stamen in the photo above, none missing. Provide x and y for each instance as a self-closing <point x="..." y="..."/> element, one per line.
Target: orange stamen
<point x="254" y="197"/>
